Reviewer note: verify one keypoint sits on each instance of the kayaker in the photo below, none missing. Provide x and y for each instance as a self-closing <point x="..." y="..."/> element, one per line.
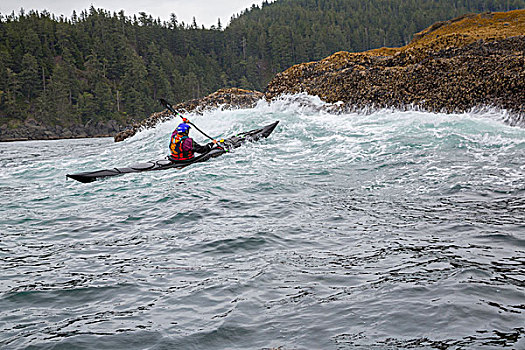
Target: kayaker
<point x="183" y="147"/>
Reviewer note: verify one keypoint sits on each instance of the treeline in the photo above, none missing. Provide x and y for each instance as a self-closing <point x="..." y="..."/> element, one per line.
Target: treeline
<point x="100" y="65"/>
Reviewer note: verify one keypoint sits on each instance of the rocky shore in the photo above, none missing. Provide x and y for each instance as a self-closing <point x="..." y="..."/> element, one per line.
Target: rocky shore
<point x="454" y="66"/>
<point x="224" y="98"/>
<point x="33" y="130"/>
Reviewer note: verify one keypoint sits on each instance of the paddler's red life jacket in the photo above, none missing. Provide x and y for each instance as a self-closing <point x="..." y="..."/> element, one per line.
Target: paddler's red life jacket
<point x="177" y="151"/>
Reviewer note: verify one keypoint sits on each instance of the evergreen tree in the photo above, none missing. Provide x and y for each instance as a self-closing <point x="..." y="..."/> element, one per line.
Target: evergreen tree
<point x="135" y="93"/>
<point x="29" y="76"/>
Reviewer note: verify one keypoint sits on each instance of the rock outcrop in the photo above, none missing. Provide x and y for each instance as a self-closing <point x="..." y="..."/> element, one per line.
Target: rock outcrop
<point x="224" y="98"/>
<point x="453" y="66"/>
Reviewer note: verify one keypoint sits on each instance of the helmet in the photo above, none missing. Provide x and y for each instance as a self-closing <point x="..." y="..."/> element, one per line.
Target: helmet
<point x="183" y="128"/>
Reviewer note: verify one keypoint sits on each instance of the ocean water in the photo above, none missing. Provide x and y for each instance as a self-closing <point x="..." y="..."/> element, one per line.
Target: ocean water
<point x="386" y="230"/>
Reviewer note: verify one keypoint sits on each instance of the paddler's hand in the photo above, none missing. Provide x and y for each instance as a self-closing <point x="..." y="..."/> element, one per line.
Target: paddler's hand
<point x="184" y="120"/>
<point x="214" y="141"/>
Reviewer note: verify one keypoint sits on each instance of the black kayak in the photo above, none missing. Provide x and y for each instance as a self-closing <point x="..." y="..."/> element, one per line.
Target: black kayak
<point x="225" y="146"/>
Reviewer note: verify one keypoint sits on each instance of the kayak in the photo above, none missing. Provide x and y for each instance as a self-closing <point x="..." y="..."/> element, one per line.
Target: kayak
<point x="222" y="147"/>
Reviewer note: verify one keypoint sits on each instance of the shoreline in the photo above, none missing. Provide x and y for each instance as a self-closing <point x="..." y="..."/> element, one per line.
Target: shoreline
<point x="57" y="139"/>
<point x="508" y="117"/>
<point x="454" y="66"/>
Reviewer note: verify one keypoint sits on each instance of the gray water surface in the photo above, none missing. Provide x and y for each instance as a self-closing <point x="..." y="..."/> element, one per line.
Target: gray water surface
<point x="383" y="231"/>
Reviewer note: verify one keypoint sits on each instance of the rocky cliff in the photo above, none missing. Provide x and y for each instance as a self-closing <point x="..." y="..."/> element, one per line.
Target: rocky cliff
<point x="453" y="66"/>
<point x="476" y="60"/>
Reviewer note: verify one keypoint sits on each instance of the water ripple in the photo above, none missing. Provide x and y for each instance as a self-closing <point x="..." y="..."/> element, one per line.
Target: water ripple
<point x="377" y="231"/>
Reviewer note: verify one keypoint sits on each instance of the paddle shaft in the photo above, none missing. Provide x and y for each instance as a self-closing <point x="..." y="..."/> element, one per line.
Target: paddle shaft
<point x="172" y="110"/>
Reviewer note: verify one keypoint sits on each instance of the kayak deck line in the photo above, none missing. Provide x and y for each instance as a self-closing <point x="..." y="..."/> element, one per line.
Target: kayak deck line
<point x="163" y="164"/>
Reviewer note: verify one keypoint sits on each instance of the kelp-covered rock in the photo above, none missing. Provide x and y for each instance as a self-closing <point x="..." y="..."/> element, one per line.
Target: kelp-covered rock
<point x="225" y="98"/>
<point x="453" y="66"/>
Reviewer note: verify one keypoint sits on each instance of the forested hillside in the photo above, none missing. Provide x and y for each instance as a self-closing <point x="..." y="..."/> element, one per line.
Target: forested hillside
<point x="99" y="65"/>
<point x="287" y="32"/>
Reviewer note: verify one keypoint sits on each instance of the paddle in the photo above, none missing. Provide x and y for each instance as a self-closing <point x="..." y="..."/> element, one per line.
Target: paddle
<point x="172" y="110"/>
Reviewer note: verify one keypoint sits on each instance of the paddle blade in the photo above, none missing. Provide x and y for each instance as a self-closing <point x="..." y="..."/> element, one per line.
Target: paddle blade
<point x="166" y="104"/>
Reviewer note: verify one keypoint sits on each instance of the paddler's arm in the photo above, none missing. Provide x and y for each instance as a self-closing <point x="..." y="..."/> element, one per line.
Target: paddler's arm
<point x="203" y="149"/>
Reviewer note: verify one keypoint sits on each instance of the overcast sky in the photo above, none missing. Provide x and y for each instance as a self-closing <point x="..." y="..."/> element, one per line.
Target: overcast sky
<point x="206" y="12"/>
